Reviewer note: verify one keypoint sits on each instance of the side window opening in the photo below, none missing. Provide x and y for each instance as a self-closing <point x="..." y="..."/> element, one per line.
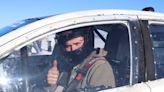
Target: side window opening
<point x="41" y="53"/>
<point x="117" y="45"/>
<point x="100" y="36"/>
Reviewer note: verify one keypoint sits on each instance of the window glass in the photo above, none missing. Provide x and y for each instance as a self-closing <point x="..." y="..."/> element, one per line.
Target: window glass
<point x="26" y="69"/>
<point x="44" y="46"/>
<point x="17" y="25"/>
<point x="98" y="39"/>
<point x="157" y="34"/>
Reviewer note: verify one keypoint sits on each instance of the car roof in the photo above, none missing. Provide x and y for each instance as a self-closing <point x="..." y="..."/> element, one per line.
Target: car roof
<point x="34" y="23"/>
<point x="104" y="12"/>
<point x="144" y="15"/>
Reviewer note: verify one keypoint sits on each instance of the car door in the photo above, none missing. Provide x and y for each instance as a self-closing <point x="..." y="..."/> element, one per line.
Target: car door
<point x="156" y="29"/>
<point x="27" y="57"/>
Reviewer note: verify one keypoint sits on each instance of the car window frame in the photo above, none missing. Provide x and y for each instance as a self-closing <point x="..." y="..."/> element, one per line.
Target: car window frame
<point x="127" y="23"/>
<point x="158" y="23"/>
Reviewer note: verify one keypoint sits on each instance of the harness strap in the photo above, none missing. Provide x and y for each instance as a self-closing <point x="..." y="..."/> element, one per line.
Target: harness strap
<point x="83" y="69"/>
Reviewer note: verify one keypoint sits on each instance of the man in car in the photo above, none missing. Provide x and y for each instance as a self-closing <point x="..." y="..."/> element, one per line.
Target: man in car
<point x="80" y="66"/>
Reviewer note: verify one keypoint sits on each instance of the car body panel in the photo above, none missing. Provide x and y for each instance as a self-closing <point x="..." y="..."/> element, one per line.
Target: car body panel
<point x="150" y="86"/>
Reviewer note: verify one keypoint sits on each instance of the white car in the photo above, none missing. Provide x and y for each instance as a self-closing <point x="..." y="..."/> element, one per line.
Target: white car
<point x="134" y="40"/>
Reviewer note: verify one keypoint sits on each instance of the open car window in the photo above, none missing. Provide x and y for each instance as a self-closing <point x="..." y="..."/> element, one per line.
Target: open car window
<point x="25" y="70"/>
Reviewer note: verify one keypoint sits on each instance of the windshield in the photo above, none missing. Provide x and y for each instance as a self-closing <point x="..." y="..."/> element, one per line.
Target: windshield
<point x="17" y="25"/>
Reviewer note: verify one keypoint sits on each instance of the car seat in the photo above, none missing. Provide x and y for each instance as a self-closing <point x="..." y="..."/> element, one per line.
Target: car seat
<point x="117" y="45"/>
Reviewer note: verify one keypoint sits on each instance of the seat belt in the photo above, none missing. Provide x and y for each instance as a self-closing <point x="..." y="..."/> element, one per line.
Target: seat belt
<point x="82" y="71"/>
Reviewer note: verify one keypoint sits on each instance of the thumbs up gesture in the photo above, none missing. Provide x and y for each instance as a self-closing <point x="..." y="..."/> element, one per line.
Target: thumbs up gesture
<point x="53" y="74"/>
